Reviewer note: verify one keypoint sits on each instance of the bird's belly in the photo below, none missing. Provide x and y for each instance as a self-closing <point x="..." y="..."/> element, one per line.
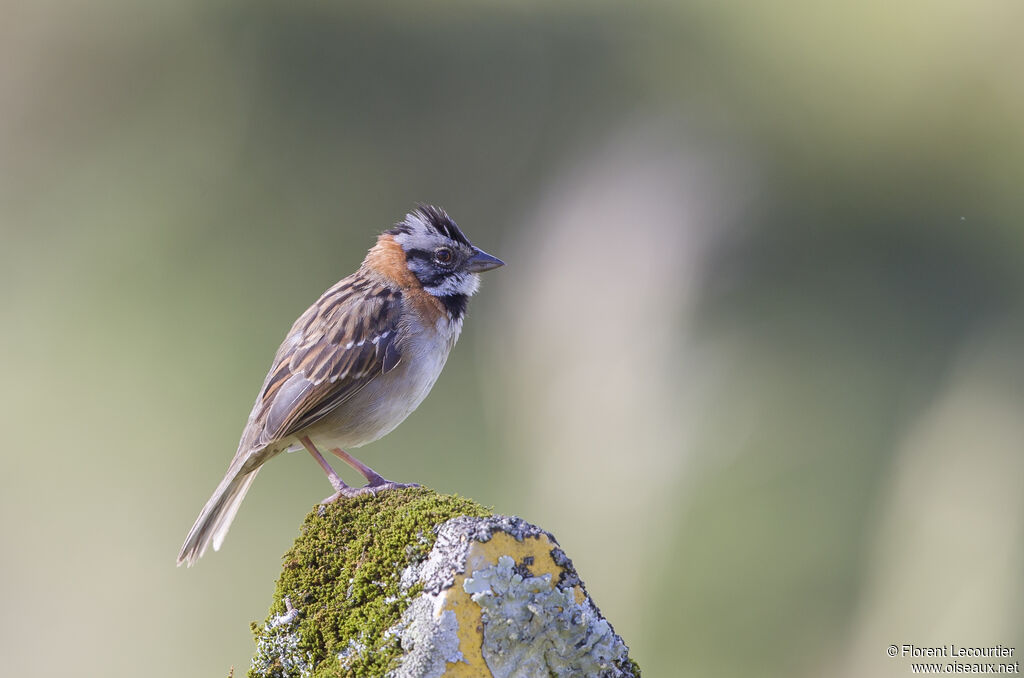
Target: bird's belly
<point x="384" y="403"/>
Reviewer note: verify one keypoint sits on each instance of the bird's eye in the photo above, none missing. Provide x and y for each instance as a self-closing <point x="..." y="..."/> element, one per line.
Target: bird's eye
<point x="443" y="255"/>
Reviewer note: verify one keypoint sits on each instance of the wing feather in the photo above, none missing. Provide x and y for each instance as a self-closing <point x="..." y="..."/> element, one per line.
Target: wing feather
<point x="341" y="343"/>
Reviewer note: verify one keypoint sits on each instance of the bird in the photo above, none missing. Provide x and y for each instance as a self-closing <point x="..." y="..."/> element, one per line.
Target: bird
<point x="356" y="363"/>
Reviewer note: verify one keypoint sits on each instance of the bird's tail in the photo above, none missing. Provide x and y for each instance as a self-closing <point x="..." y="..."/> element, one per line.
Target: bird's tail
<point x="215" y="518"/>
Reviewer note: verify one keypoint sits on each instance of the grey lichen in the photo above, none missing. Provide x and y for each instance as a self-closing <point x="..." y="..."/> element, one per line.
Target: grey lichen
<point x="352" y="652"/>
<point x="532" y="628"/>
<point x="278" y="651"/>
<point x="430" y="641"/>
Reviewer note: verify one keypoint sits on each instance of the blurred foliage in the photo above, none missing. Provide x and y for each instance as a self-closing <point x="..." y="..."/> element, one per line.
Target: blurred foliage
<point x="179" y="180"/>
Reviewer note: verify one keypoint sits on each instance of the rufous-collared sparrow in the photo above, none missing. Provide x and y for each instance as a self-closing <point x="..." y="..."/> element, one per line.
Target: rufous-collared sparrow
<point x="356" y="363"/>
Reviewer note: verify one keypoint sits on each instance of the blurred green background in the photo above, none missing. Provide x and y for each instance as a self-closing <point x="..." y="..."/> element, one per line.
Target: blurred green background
<point x="756" y="358"/>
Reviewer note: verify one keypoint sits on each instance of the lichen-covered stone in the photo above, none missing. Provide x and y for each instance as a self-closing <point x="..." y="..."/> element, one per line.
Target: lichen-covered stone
<point x="521" y="609"/>
<point x="532" y="628"/>
<point x="412" y="584"/>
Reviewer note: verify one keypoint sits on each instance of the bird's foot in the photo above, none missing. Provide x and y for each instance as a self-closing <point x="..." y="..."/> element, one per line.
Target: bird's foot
<point x="348" y="492"/>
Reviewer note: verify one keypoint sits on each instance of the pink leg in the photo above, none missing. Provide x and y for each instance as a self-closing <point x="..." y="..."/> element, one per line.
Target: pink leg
<point x="374" y="480"/>
<point x="332" y="475"/>
<point x="371" y="476"/>
<point x="340" y="487"/>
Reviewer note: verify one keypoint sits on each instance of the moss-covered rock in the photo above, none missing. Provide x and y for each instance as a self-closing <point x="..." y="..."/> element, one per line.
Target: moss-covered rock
<point x="414" y="584"/>
<point x="340" y="588"/>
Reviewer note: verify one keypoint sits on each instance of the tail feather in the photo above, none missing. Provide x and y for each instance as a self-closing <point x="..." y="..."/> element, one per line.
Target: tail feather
<point x="227" y="514"/>
<point x="215" y="518"/>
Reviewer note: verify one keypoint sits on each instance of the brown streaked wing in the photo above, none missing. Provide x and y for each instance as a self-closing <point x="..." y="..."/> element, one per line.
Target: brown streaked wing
<point x="334" y="349"/>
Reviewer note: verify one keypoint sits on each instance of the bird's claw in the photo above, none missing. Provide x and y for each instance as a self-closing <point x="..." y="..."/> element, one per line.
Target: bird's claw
<point x="352" y="492"/>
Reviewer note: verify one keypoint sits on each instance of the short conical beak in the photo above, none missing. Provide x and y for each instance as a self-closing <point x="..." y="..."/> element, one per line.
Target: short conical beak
<point x="482" y="261"/>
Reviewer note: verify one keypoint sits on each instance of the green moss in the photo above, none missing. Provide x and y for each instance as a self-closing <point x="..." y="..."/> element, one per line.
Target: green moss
<point x="342" y="579"/>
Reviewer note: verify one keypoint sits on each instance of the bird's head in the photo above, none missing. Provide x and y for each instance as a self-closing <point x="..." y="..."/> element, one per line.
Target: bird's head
<point x="439" y="254"/>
